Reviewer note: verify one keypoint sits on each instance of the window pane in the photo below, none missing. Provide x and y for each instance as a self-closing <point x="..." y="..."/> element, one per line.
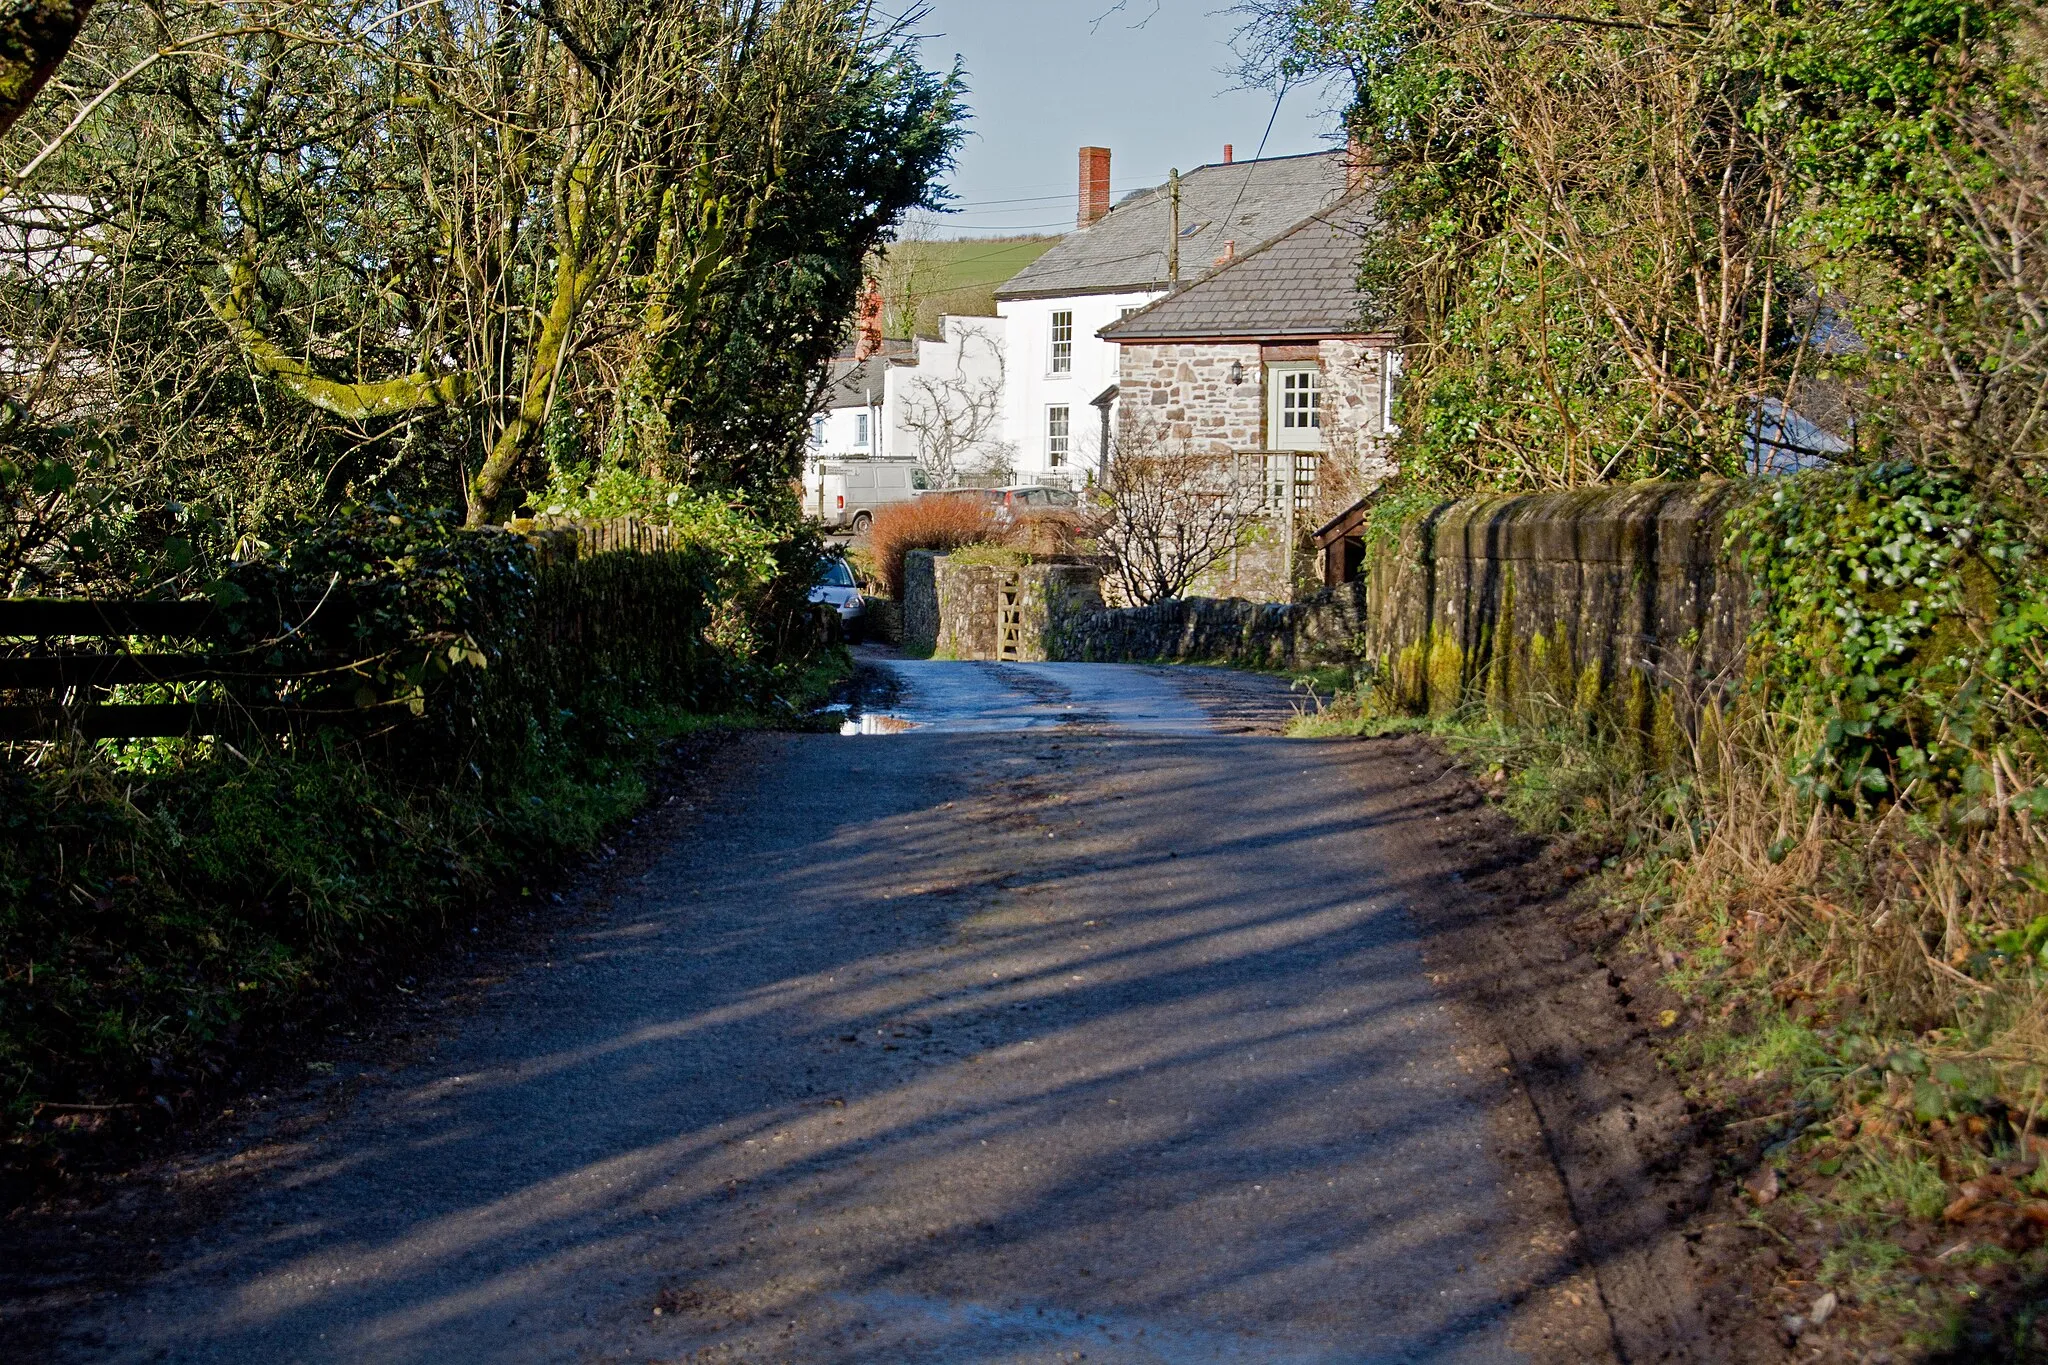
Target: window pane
<point x="1058" y="436"/>
<point x="1062" y="342"/>
<point x="1301" y="400"/>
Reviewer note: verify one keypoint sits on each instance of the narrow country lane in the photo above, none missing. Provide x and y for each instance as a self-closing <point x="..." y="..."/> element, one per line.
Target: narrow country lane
<point x="1081" y="1021"/>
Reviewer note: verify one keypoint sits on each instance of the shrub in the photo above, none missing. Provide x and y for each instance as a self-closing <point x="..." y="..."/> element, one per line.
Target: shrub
<point x="1175" y="511"/>
<point x="990" y="554"/>
<point x="159" y="899"/>
<point x="936" y="522"/>
<point x="1057" y="530"/>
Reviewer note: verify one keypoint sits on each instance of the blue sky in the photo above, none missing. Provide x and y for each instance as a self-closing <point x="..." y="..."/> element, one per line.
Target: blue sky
<point x="1150" y="83"/>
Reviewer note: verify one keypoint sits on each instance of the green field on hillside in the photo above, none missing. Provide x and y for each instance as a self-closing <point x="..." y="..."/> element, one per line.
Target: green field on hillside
<point x="921" y="280"/>
<point x="985" y="264"/>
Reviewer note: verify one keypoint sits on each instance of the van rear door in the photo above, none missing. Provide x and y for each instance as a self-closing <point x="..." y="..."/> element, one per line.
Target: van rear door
<point x="830" y="508"/>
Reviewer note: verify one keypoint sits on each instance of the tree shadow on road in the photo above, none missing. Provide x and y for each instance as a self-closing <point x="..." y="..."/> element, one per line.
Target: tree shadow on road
<point x="1007" y="1055"/>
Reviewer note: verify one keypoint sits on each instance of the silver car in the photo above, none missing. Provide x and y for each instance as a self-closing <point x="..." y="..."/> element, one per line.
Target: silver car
<point x="838" y="589"/>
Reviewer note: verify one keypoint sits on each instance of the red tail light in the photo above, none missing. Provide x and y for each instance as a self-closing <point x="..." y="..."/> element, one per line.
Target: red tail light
<point x="842" y="503"/>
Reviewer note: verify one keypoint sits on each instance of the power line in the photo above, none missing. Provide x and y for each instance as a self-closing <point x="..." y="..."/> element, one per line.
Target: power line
<point x="1231" y="216"/>
<point x="1039" y="199"/>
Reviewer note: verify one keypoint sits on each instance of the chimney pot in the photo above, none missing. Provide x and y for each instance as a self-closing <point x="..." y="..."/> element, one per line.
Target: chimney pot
<point x="1094" y="185"/>
<point x="1229" y="253"/>
<point x="1229" y="153"/>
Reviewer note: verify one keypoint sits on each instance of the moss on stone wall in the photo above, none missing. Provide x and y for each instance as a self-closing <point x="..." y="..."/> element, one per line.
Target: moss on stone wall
<point x="1618" y="606"/>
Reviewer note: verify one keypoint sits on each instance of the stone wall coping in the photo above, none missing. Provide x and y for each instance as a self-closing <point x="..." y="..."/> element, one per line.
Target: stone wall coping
<point x="1664" y="523"/>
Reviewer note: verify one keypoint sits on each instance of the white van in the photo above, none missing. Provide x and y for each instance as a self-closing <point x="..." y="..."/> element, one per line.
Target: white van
<point x="845" y="495"/>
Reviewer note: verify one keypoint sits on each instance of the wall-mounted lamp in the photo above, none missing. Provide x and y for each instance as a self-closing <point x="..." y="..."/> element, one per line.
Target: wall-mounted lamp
<point x="1237" y="372"/>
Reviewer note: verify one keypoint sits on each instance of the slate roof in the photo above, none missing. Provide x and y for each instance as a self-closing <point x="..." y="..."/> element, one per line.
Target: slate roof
<point x="1303" y="283"/>
<point x="858" y="384"/>
<point x="896" y="348"/>
<point x="1125" y="250"/>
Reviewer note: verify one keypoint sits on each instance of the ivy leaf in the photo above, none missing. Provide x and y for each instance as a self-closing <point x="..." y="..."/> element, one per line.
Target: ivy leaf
<point x="52" y="476"/>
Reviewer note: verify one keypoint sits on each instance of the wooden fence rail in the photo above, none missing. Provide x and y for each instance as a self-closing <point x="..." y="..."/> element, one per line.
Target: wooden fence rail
<point x="38" y="653"/>
<point x="40" y="622"/>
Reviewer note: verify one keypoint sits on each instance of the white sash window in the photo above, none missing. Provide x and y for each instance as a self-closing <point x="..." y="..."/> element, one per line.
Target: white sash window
<point x="1059" y="436"/>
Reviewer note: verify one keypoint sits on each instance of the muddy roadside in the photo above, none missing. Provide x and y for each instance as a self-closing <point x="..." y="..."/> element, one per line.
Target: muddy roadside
<point x="1506" y="936"/>
<point x="1706" y="1200"/>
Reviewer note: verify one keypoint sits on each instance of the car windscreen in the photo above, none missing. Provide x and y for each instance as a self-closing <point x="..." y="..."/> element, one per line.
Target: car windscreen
<point x="835" y="574"/>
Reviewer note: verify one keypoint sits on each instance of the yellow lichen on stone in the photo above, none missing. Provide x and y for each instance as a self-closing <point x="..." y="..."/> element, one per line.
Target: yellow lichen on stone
<point x="1666" y="738"/>
<point x="1586" y="696"/>
<point x="1551" y="683"/>
<point x="1638" y="703"/>
<point x="1445" y="687"/>
<point x="1409" y="676"/>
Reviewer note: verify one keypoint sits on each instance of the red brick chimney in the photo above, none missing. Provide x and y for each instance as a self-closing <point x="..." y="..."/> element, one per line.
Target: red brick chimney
<point x="1354" y="163"/>
<point x="869" y="321"/>
<point x="1229" y="153"/>
<point x="1094" y="185"/>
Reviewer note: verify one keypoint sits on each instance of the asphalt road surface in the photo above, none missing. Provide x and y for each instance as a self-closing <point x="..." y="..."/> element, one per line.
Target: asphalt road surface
<point x="1080" y="1021"/>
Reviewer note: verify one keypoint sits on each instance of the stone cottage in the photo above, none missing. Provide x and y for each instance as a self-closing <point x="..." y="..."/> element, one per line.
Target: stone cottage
<point x="1124" y="254"/>
<point x="1268" y="359"/>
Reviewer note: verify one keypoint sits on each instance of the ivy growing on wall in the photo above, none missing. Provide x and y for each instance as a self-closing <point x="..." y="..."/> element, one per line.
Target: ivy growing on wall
<point x="1907" y="609"/>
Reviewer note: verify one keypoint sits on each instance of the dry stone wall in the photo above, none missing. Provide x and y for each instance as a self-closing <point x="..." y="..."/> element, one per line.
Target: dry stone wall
<point x="1326" y="628"/>
<point x="1054" y="612"/>
<point x="920" y="602"/>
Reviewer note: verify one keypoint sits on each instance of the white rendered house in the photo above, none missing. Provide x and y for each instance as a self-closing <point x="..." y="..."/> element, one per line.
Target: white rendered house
<point x="937" y="402"/>
<point x="854" y="422"/>
<point x="948" y="408"/>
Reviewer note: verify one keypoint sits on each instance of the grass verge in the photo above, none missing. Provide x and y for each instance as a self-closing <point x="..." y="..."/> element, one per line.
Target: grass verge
<point x="165" y="906"/>
<point x="1860" y="1001"/>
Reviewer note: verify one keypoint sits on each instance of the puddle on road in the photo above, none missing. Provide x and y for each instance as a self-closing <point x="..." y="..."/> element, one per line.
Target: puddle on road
<point x="872" y="724"/>
<point x="959" y="697"/>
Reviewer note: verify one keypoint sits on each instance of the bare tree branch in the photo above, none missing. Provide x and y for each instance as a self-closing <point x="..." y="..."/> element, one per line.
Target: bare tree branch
<point x="959" y="412"/>
<point x="1175" y="511"/>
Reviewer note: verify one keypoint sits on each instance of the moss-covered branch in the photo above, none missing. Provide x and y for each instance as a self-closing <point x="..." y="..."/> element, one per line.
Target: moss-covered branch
<point x="354" y="402"/>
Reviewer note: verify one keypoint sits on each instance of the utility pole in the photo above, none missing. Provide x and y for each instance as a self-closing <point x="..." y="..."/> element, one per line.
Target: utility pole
<point x="1173" y="243"/>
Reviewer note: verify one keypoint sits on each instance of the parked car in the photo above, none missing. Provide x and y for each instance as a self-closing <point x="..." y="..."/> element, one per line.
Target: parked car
<point x="840" y="590"/>
<point x="844" y="496"/>
<point x="1017" y="499"/>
